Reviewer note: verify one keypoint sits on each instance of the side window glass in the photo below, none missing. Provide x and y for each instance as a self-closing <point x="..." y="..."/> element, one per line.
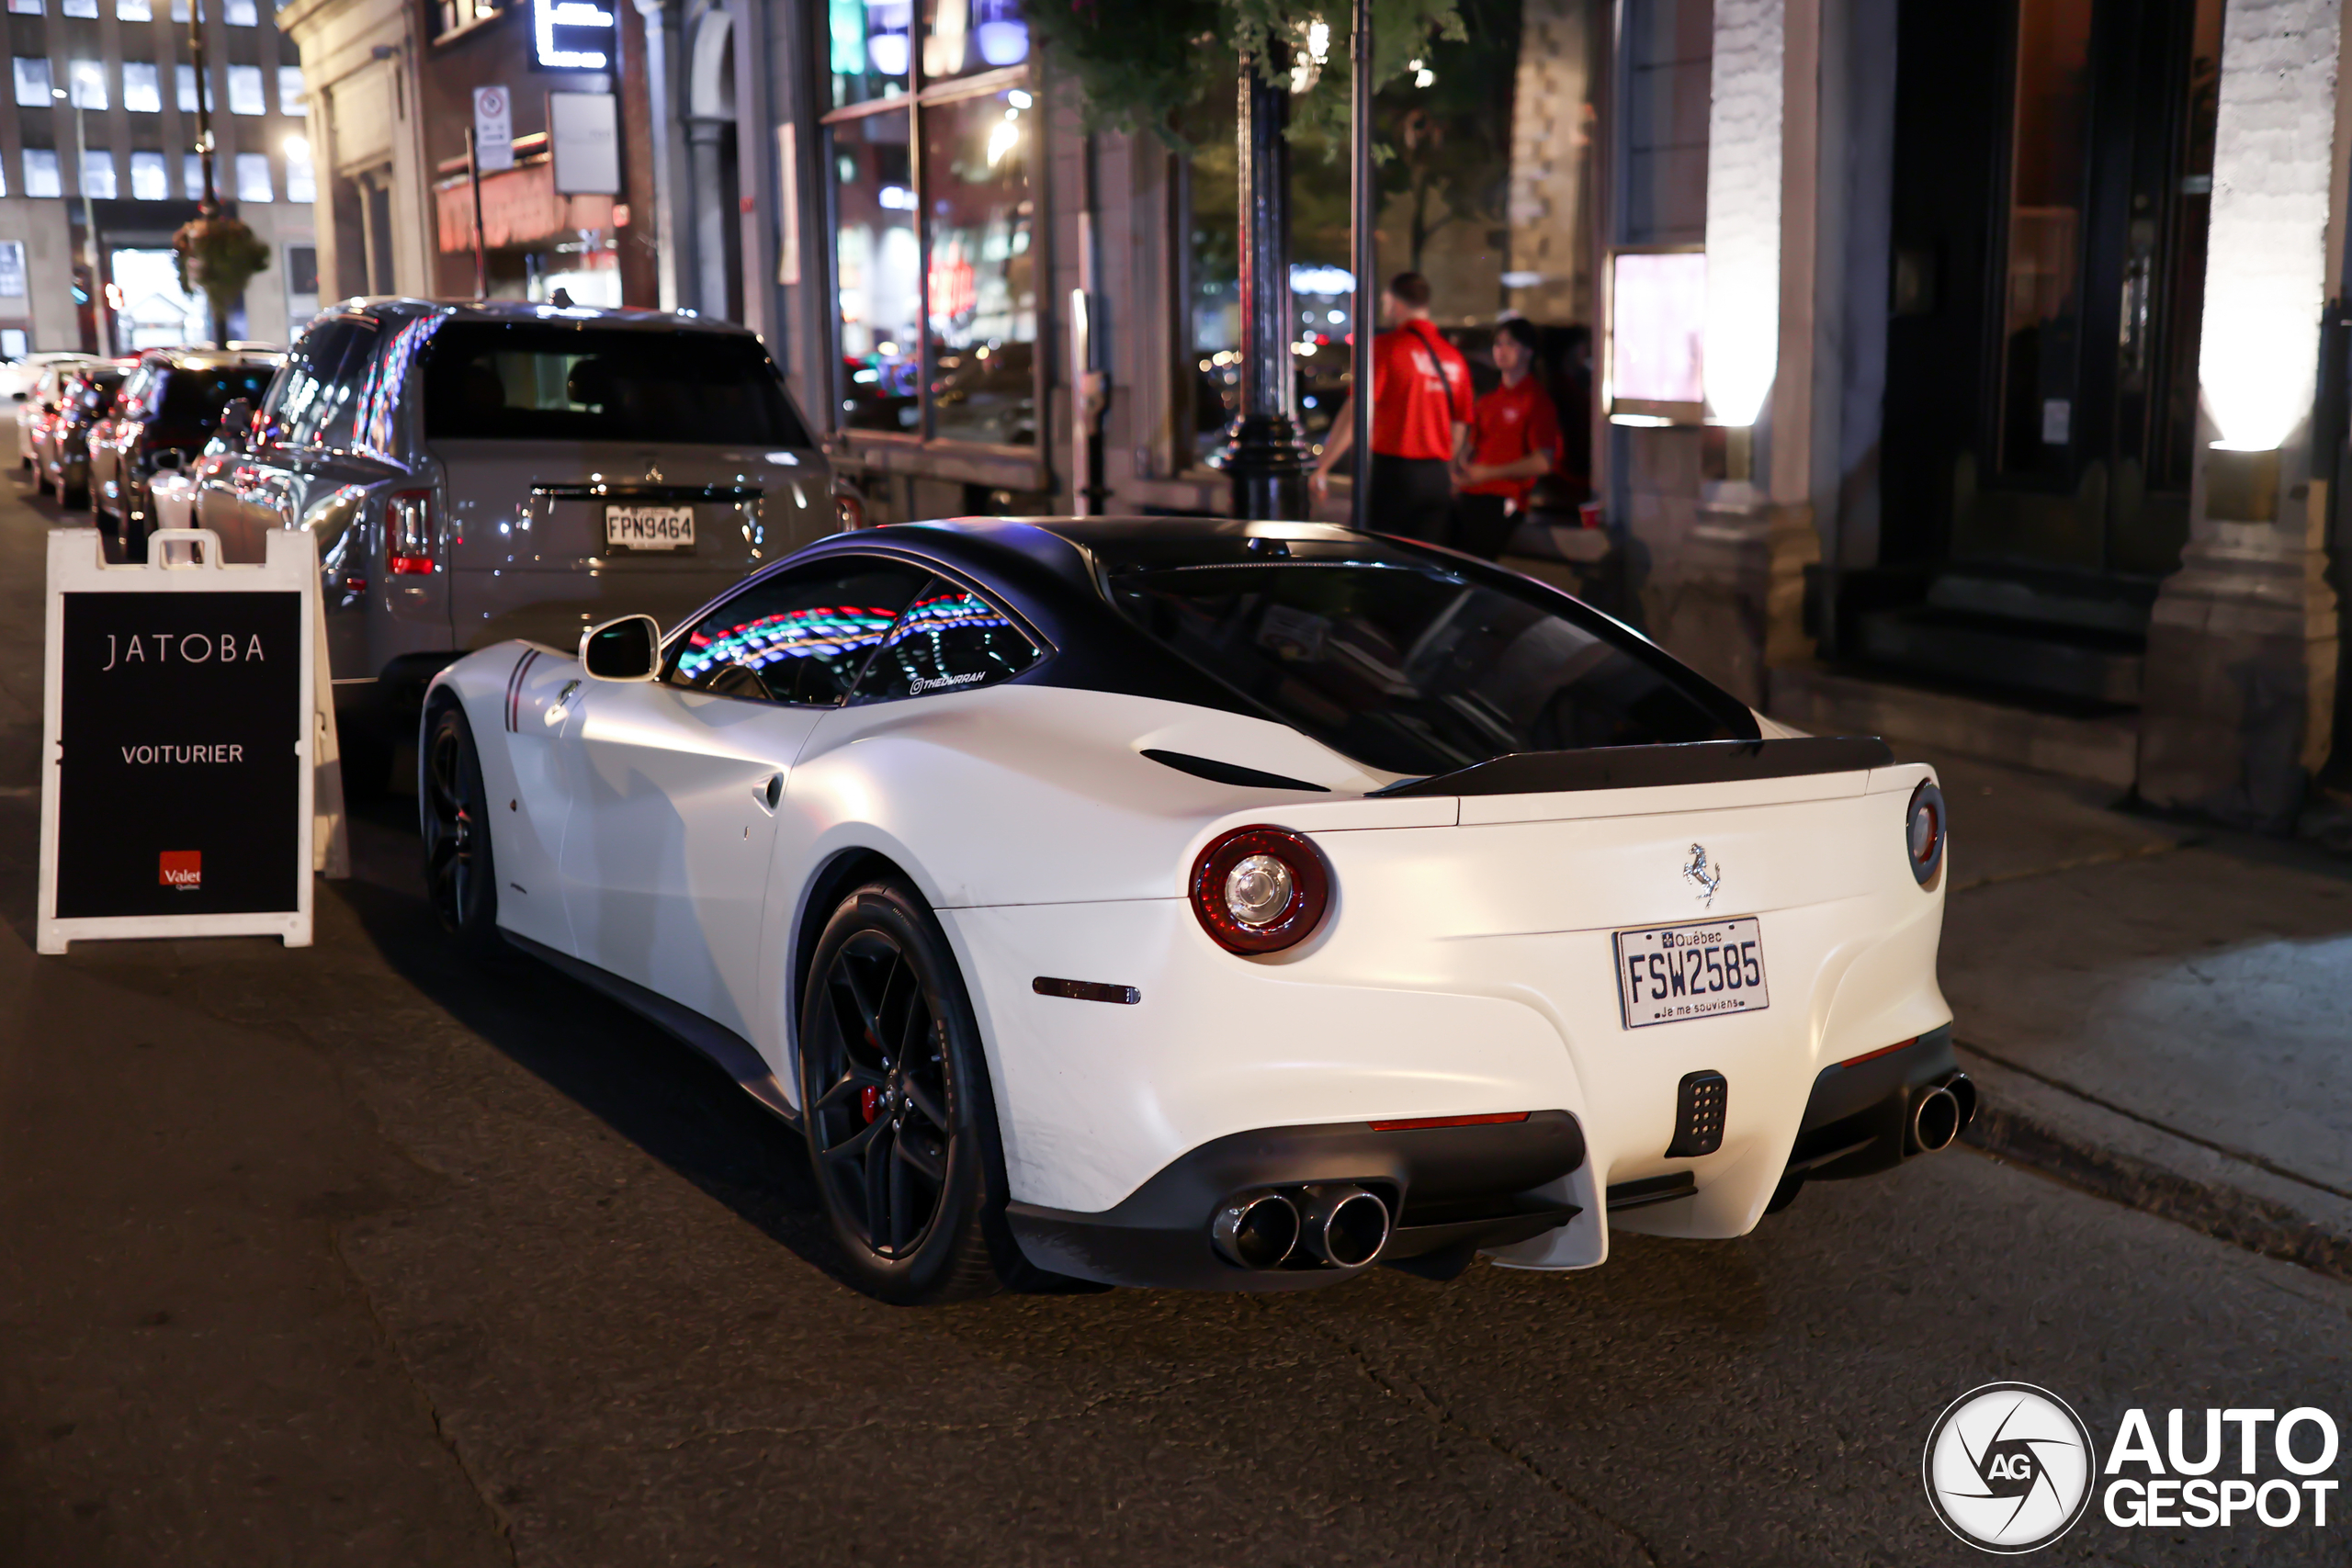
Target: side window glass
<point x="292" y="406"/>
<point x="800" y="638"/>
<point x="337" y="418"/>
<point x="949" y="640"/>
<point x="314" y="402"/>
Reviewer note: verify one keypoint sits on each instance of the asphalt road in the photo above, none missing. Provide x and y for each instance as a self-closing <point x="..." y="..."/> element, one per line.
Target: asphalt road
<point x="356" y="1255"/>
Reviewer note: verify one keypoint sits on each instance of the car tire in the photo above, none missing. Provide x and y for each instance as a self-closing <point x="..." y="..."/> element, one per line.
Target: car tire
<point x="900" y="1118"/>
<point x="453" y="811"/>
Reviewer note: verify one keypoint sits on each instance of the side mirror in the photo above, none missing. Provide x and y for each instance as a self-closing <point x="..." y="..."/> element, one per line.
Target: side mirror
<point x="237" y="421"/>
<point x="626" y="649"/>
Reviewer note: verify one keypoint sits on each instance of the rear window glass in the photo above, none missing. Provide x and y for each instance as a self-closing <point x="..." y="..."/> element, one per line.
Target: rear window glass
<point x="1407" y="663"/>
<point x="533" y="381"/>
<point x="95" y="392"/>
<point x="192" y="400"/>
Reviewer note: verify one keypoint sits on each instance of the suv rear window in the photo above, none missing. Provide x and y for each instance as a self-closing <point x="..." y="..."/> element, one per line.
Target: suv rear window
<point x="1411" y="663"/>
<point x="541" y="381"/>
<point x="193" y="399"/>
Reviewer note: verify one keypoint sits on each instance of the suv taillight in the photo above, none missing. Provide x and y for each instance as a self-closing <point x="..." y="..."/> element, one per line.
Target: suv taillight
<point x="409" y="532"/>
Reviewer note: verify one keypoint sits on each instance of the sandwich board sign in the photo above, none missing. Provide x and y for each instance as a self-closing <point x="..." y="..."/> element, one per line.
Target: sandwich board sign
<point x="186" y="722"/>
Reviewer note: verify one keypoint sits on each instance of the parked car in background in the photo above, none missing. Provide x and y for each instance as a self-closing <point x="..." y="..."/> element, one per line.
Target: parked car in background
<point x="478" y="472"/>
<point x="168" y="408"/>
<point x="35" y="400"/>
<point x="62" y="445"/>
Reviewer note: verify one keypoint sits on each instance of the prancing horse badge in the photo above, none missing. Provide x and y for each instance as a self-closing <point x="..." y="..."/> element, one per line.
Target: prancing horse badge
<point x="1705" y="878"/>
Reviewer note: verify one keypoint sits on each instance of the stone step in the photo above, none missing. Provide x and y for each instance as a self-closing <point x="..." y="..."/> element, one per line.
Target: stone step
<point x="2102" y="748"/>
<point x="2069" y="661"/>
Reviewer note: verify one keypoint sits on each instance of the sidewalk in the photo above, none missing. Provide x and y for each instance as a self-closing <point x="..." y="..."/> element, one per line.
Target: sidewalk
<point x="2155" y="1012"/>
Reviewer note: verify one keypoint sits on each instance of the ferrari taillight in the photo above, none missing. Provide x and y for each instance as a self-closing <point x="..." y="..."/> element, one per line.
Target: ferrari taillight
<point x="1923" y="833"/>
<point x="409" y="532"/>
<point x="1260" y="889"/>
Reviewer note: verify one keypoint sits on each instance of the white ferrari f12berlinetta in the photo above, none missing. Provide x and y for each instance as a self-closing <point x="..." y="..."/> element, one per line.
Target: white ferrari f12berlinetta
<point x="1213" y="904"/>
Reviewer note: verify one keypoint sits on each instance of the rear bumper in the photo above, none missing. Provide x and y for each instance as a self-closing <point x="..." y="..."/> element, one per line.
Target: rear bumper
<point x="1449" y="1188"/>
<point x="1858" y="1119"/>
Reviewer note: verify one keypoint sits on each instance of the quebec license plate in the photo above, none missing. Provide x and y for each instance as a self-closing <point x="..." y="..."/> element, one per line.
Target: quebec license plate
<point x="1668" y="974"/>
<point x="650" y="528"/>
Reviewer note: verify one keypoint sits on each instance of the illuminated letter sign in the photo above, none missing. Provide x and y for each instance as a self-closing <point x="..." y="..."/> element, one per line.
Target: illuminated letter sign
<point x="572" y="35"/>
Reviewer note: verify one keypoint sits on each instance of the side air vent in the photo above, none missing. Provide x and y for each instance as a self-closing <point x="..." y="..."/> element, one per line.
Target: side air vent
<point x="1229" y="772"/>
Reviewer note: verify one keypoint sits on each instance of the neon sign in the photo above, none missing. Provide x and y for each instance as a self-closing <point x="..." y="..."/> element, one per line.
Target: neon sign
<point x="572" y="35"/>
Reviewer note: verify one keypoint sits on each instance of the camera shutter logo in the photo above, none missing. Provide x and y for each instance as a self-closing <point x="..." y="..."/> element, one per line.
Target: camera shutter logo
<point x="2008" y="1468"/>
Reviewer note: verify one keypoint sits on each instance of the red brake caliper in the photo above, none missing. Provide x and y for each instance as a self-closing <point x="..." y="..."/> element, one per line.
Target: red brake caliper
<point x="869" y="1100"/>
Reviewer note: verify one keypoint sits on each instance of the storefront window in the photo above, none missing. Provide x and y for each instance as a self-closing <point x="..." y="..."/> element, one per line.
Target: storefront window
<point x="879" y="263"/>
<point x="963" y="37"/>
<point x="933" y="246"/>
<point x="982" y="293"/>
<point x="1322" y="286"/>
<point x="1486" y="188"/>
<point x="869" y="43"/>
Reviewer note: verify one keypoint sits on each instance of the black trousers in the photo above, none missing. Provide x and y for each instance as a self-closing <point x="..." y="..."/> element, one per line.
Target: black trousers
<point x="1412" y="497"/>
<point x="1481" y="526"/>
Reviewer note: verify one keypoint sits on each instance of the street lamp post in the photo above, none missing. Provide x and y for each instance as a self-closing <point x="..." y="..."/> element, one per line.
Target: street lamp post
<point x="89" y="213"/>
<point x="1362" y="204"/>
<point x="1265" y="459"/>
<point x="209" y="206"/>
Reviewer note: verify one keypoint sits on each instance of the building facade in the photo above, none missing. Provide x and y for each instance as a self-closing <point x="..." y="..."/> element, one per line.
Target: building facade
<point x="1977" y="376"/>
<point x="616" y="182"/>
<point x="1974" y="375"/>
<point x="98" y="168"/>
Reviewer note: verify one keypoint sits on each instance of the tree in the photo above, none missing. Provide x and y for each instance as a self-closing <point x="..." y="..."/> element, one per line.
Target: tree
<point x="1451" y="137"/>
<point x="219" y="255"/>
<point x="1139" y="65"/>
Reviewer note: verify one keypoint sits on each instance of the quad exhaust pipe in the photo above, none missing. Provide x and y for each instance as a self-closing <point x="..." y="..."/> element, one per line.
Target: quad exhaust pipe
<point x="1335" y="1225"/>
<point x="1938" y="1115"/>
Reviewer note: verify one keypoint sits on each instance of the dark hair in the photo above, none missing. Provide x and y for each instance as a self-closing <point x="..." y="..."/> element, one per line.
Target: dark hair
<point x="1521" y="330"/>
<point x="1412" y="288"/>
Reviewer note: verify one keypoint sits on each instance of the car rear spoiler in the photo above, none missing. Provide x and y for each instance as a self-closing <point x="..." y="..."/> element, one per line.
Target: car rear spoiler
<point x="1640" y="767"/>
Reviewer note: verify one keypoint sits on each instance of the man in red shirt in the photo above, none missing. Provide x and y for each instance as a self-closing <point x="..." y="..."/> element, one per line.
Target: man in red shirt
<point x="1421" y="420"/>
<point x="1514" y="441"/>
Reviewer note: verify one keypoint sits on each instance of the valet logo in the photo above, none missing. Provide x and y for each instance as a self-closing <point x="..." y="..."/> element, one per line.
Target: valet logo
<point x="2008" y="1467"/>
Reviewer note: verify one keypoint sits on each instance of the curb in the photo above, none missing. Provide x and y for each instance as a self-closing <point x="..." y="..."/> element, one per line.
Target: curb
<point x="2050" y="1127"/>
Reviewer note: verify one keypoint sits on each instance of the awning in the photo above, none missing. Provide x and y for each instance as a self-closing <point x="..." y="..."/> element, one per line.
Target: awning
<point x="518" y="206"/>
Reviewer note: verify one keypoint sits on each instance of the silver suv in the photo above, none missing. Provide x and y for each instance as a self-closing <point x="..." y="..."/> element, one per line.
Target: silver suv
<point x="482" y="471"/>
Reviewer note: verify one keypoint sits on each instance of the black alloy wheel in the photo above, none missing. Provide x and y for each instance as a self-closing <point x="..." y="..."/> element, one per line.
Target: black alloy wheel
<point x="460" y="877"/>
<point x="901" y="1125"/>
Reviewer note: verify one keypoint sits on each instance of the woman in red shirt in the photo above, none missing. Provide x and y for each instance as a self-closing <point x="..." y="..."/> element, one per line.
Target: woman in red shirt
<point x="1514" y="441"/>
